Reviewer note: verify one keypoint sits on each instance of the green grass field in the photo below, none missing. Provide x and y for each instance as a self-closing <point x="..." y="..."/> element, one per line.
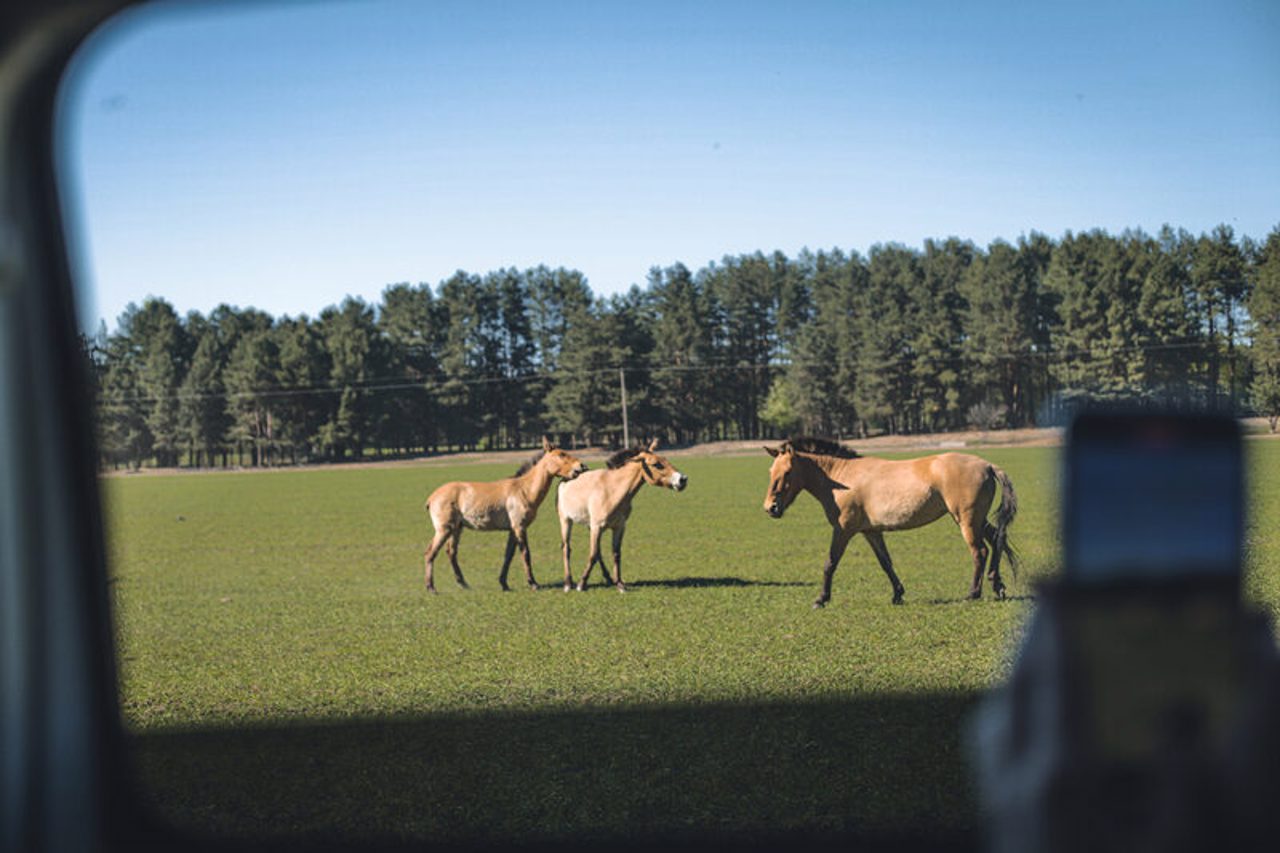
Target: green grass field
<point x="283" y="671"/>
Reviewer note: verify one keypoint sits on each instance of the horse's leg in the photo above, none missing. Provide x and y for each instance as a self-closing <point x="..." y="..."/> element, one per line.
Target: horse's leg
<point x="437" y="542"/>
<point x="876" y="539"/>
<point x="592" y="556"/>
<point x="839" y="541"/>
<point x="972" y="534"/>
<point x="452" y="548"/>
<point x="993" y="569"/>
<point x="522" y="539"/>
<point x="617" y="557"/>
<point x="604" y="569"/>
<point x="566" y="532"/>
<point x="506" y="560"/>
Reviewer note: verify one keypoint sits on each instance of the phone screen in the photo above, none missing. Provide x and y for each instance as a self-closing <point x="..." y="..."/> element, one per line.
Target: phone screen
<point x="1153" y="497"/>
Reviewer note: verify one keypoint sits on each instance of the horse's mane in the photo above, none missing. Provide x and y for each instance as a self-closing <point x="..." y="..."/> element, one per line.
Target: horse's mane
<point x="622" y="457"/>
<point x="528" y="466"/>
<point x="822" y="447"/>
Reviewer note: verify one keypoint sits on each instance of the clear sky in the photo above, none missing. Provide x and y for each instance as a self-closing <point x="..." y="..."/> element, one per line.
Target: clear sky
<point x="284" y="156"/>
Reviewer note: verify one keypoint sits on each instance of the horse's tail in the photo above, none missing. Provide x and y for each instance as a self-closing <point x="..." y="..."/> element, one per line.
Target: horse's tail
<point x="1004" y="517"/>
<point x="431" y="498"/>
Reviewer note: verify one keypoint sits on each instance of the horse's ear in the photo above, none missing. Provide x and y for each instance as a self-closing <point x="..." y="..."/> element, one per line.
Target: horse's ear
<point x="653" y="445"/>
<point x="772" y="451"/>
<point x="546" y="445"/>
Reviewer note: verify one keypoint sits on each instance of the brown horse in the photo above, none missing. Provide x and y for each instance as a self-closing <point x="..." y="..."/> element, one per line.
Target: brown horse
<point x="869" y="496"/>
<point x="510" y="504"/>
<point x="602" y="499"/>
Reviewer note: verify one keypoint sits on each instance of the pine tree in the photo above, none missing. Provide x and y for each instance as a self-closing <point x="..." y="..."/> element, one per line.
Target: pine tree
<point x="356" y="356"/>
<point x="1001" y="292"/>
<point x="302" y="369"/>
<point x="162" y="351"/>
<point x="1264" y="309"/>
<point x="584" y="404"/>
<point x="820" y="384"/>
<point x="680" y="387"/>
<point x="937" y="342"/>
<point x="1217" y="274"/>
<point x="249" y="378"/>
<point x="412" y="325"/>
<point x="886" y="325"/>
<point x="202" y="411"/>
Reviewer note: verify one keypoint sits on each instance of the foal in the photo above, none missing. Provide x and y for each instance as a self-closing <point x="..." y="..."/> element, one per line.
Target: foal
<point x="602" y="499"/>
<point x="510" y="504"/>
<point x="870" y="496"/>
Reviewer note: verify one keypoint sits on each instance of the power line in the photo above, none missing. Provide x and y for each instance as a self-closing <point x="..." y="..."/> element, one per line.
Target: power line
<point x="437" y="386"/>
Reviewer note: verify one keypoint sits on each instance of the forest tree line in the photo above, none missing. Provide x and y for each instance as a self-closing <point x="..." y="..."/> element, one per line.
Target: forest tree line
<point x="899" y="340"/>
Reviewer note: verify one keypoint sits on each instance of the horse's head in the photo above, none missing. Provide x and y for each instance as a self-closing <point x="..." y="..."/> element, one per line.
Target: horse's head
<point x="561" y="464"/>
<point x="784" y="483"/>
<point x="655" y="469"/>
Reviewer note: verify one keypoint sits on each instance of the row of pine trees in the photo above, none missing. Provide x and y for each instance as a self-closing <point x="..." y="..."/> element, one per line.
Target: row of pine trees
<point x="901" y="340"/>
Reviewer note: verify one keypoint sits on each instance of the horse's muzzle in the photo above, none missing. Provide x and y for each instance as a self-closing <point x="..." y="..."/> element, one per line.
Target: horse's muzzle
<point x="774" y="509"/>
<point x="680" y="482"/>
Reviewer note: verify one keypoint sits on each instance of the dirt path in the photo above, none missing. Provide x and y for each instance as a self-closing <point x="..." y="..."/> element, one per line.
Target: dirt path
<point x="952" y="440"/>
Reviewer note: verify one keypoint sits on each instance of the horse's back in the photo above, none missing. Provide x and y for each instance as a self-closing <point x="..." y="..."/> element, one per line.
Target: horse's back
<point x="480" y="506"/>
<point x="960" y="470"/>
<point x="908" y="493"/>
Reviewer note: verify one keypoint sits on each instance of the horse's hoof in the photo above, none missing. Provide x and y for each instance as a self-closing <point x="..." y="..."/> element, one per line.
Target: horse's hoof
<point x="622" y="587"/>
<point x="582" y="587"/>
<point x="897" y="599"/>
<point x="433" y="590"/>
<point x="1000" y="596"/>
<point x="975" y="595"/>
<point x="819" y="604"/>
<point x="568" y="587"/>
<point x="533" y="587"/>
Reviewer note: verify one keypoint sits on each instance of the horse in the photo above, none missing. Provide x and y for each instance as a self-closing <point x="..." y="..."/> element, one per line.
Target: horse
<point x="862" y="494"/>
<point x="602" y="499"/>
<point x="510" y="504"/>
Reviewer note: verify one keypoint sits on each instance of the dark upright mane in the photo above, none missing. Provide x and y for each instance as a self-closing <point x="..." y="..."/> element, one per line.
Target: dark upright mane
<point x="528" y="466"/>
<point x="822" y="447"/>
<point x="621" y="458"/>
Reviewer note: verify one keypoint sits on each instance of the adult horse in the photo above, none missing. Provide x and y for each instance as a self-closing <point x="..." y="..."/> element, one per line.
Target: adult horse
<point x="862" y="494"/>
<point x="601" y="499"/>
<point x="510" y="504"/>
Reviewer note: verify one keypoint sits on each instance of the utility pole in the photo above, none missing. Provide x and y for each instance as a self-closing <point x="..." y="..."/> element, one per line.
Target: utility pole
<point x="626" y="433"/>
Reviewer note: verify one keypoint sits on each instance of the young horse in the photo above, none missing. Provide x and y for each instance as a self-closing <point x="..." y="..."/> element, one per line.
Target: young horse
<point x="602" y="499"/>
<point x="510" y="504"/>
<point x="869" y="496"/>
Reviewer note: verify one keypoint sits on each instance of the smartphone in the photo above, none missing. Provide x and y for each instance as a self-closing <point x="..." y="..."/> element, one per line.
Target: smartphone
<point x="1152" y="498"/>
<point x="1154" y="506"/>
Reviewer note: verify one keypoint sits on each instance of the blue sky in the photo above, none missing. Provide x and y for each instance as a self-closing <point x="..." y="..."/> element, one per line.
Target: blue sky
<point x="285" y="156"/>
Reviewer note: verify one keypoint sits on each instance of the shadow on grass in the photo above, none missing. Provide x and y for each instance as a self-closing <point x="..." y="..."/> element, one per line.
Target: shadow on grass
<point x="964" y="599"/>
<point x="696" y="583"/>
<point x="877" y="771"/>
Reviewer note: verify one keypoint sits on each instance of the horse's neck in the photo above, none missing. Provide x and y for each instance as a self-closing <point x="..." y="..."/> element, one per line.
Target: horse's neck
<point x="818" y="480"/>
<point x="631" y="478"/>
<point x="536" y="483"/>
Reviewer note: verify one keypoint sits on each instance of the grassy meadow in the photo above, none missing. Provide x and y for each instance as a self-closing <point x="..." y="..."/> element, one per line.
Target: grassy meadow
<point x="284" y="673"/>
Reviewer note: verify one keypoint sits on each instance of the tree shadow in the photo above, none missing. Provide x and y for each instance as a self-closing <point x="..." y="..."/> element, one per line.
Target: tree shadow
<point x="872" y="772"/>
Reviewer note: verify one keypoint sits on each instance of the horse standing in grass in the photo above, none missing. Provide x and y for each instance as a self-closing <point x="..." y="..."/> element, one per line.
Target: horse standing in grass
<point x="869" y="496"/>
<point x="510" y="504"/>
<point x="602" y="499"/>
